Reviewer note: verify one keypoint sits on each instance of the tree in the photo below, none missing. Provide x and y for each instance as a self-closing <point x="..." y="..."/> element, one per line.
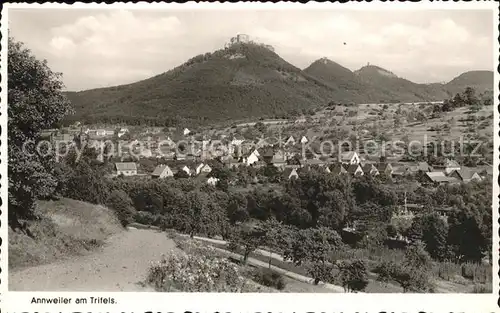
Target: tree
<point x="408" y="277"/>
<point x="417" y="257"/>
<point x="447" y="106"/>
<point x="237" y="208"/>
<point x="353" y="275"/>
<point x="273" y="235"/>
<point x="313" y="246"/>
<point x="121" y="204"/>
<point x="470" y="97"/>
<point x="247" y="238"/>
<point x="261" y="127"/>
<point x="434" y="235"/>
<point x="197" y="211"/>
<point x="92" y="177"/>
<point x="36" y="102"/>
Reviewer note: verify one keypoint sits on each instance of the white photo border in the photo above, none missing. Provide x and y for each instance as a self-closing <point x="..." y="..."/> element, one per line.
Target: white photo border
<point x="225" y="302"/>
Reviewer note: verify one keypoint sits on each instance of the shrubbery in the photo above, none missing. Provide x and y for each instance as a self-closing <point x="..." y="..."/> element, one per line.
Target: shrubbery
<point x="196" y="269"/>
<point x="353" y="275"/>
<point x="269" y="278"/>
<point x="193" y="273"/>
<point x="120" y="202"/>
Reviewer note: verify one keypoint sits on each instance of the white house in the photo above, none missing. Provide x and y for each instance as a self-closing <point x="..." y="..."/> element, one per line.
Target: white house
<point x="355" y="170"/>
<point x="304" y="139"/>
<point x="212" y="181"/>
<point x="186" y="132"/>
<point x="122" y="132"/>
<point x="290" y="173"/>
<point x="350" y="157"/>
<point x="186" y="169"/>
<point x="203" y="168"/>
<point x="162" y="171"/>
<point x="252" y="158"/>
<point x="451" y="165"/>
<point x="290" y="141"/>
<point x="465" y="175"/>
<point x="126" y="168"/>
<point x="99" y="132"/>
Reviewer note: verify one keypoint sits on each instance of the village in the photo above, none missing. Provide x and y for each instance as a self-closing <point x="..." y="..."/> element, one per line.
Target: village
<point x="162" y="153"/>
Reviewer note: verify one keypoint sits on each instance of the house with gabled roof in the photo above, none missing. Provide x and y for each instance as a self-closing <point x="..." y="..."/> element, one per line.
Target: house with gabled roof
<point x="385" y="169"/>
<point x="370" y="169"/>
<point x="290" y="173"/>
<point x="417" y="167"/>
<point x="439" y="178"/>
<point x="466" y="175"/>
<point x="278" y="159"/>
<point x="122" y="132"/>
<point x="447" y="166"/>
<point x="355" y="170"/>
<point x="349" y="157"/>
<point x="266" y="154"/>
<point x="162" y="171"/>
<point x="290" y="141"/>
<point x="203" y="168"/>
<point x="251" y="158"/>
<point x="304" y="139"/>
<point x="186" y="132"/>
<point x="400" y="170"/>
<point x="187" y="170"/>
<point x="337" y="169"/>
<point x="126" y="168"/>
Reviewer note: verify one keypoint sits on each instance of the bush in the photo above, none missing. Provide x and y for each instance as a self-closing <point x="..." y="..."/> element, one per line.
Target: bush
<point x="269" y="278"/>
<point x="410" y="278"/>
<point x="353" y="275"/>
<point x="192" y="273"/>
<point x="121" y="204"/>
<point x="144" y="217"/>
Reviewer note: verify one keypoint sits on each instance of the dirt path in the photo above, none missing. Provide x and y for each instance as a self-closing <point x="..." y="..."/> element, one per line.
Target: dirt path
<point x="120" y="266"/>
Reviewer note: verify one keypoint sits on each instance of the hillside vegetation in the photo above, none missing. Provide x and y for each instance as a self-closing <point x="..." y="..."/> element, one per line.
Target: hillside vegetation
<point x="481" y="81"/>
<point x="66" y="227"/>
<point x="250" y="81"/>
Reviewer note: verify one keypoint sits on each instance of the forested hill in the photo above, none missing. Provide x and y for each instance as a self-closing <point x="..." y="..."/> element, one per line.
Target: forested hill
<point x="244" y="80"/>
<point x="248" y="80"/>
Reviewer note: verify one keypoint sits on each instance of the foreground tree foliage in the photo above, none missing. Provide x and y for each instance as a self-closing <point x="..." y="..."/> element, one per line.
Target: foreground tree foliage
<point x="412" y="274"/>
<point x="121" y="203"/>
<point x="354" y="275"/>
<point x="35" y="102"/>
<point x="247" y="238"/>
<point x="313" y="247"/>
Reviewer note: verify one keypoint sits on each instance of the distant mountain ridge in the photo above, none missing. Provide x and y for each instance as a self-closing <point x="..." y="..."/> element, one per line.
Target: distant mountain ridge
<point x="246" y="80"/>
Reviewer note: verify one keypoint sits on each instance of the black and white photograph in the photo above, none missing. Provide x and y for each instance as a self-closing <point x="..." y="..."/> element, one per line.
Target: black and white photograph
<point x="226" y="150"/>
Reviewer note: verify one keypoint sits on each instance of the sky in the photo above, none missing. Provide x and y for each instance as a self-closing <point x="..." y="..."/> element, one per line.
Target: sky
<point x="108" y="47"/>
